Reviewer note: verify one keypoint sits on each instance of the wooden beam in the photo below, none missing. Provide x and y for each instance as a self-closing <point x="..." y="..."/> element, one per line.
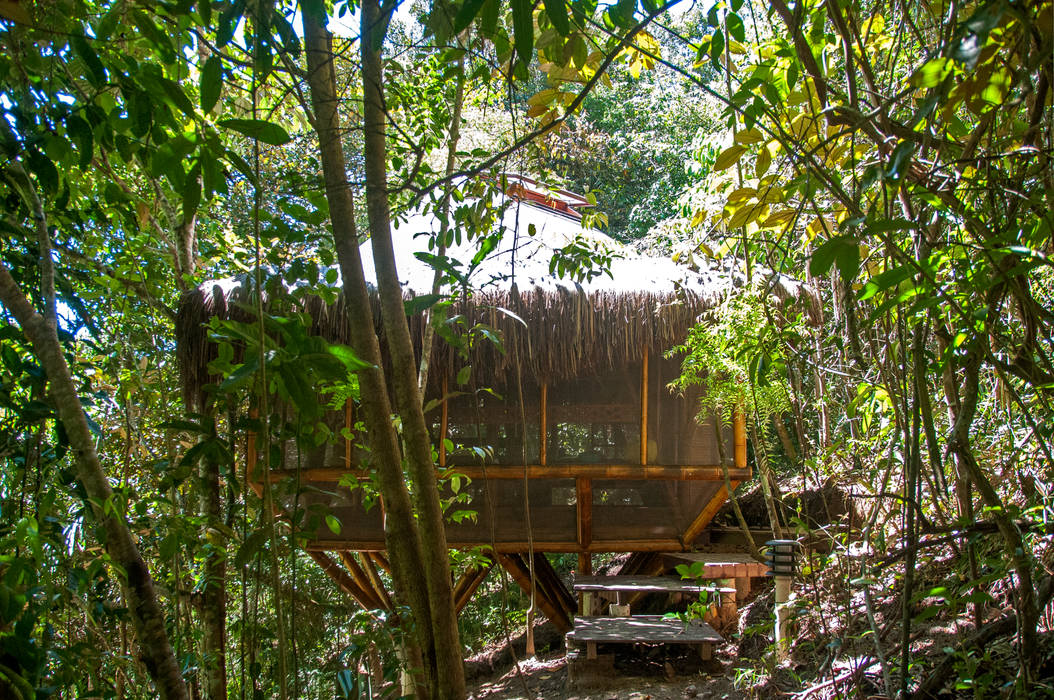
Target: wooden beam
<point x="584" y="506"/>
<point x="361" y="579"/>
<point x="375" y="580"/>
<point x="517" y="568"/>
<point x="671" y="472"/>
<point x="512" y="546"/>
<point x="543" y="420"/>
<point x="555" y="588"/>
<point x="644" y="406"/>
<point x="466" y="586"/>
<point x="707" y="513"/>
<point x="382" y="561"/>
<point x="739" y="439"/>
<point x="344" y="580"/>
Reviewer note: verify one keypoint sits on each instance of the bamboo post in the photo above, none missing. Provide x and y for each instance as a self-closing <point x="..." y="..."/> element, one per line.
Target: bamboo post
<point x="644" y="406"/>
<point x="739" y="437"/>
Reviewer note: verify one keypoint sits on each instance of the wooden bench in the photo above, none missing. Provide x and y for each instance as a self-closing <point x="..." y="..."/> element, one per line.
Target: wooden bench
<point x="642" y="629"/>
<point x="623" y="586"/>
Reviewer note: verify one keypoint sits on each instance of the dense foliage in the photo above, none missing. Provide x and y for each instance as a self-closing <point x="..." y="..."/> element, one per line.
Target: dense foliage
<point x="877" y="174"/>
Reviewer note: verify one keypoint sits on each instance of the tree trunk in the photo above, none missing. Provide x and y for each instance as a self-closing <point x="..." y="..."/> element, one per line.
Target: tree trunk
<point x="136" y="584"/>
<point x="214" y="592"/>
<point x="418" y="445"/>
<point x="401" y="535"/>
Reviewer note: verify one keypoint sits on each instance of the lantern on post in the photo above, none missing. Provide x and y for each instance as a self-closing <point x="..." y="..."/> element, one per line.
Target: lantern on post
<point x="781" y="558"/>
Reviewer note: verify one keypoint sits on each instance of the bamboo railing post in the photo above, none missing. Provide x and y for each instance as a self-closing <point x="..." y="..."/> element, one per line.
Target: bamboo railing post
<point x="739" y="437"/>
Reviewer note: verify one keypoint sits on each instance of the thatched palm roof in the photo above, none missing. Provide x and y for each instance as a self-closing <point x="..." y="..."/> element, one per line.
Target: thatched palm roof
<point x="552" y="327"/>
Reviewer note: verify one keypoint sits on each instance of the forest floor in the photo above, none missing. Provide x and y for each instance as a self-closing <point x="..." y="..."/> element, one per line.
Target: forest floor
<point x="634" y="676"/>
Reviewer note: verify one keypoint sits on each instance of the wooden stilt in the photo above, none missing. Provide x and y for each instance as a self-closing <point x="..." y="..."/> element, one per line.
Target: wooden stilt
<point x="364" y="598"/>
<point x="517" y="568"/>
<point x="360" y="578"/>
<point x="375" y="579"/>
<point x="557" y="591"/>
<point x="468" y="583"/>
<point x="707" y="514"/>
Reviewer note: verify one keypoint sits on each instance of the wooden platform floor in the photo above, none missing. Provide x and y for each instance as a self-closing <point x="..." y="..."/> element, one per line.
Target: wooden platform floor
<point x="654" y="629"/>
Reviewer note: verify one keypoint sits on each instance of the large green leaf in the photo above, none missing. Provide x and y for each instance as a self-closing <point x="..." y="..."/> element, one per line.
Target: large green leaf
<point x="523" y="29"/>
<point x="211" y="83"/>
<point x="259" y="129"/>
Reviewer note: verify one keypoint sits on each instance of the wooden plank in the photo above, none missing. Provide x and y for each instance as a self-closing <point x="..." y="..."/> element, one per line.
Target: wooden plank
<point x="672" y="472"/>
<point x="644" y="406"/>
<point x="584" y="506"/>
<point x="707" y="513"/>
<point x="654" y="629"/>
<point x="517" y="568"/>
<point x="644" y="584"/>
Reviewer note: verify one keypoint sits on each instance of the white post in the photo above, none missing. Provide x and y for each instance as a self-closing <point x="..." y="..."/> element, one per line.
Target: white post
<point x="783" y="591"/>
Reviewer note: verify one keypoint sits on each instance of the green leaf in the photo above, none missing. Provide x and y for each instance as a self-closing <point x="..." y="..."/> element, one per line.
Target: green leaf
<point x="824" y="257"/>
<point x="46" y="172"/>
<point x="419" y="303"/>
<point x="332" y="523"/>
<point x="259" y="129"/>
<point x="734" y="25"/>
<point x="211" y="83"/>
<point x="932" y="73"/>
<point x="348" y="357"/>
<point x="523" y="29"/>
<point x="729" y="157"/>
<point x="96" y="70"/>
<point x="900" y="159"/>
<point x="466" y="14"/>
<point x="717" y="47"/>
<point x="81" y="134"/>
<point x="192" y="193"/>
<point x="463" y="375"/>
<point x="557" y="13"/>
<point x="252" y="544"/>
<point x="241" y="376"/>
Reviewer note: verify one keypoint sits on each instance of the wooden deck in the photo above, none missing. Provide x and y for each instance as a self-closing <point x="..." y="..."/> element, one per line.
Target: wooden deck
<point x="644" y="629"/>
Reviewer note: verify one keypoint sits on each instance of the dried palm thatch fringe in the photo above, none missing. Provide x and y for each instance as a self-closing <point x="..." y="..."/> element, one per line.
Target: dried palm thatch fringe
<point x="558" y="333"/>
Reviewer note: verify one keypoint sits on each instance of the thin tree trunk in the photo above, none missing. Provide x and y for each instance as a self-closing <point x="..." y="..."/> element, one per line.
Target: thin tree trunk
<point x="137" y="586"/>
<point x="214" y="592"/>
<point x="436" y="562"/>
<point x="401" y="535"/>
